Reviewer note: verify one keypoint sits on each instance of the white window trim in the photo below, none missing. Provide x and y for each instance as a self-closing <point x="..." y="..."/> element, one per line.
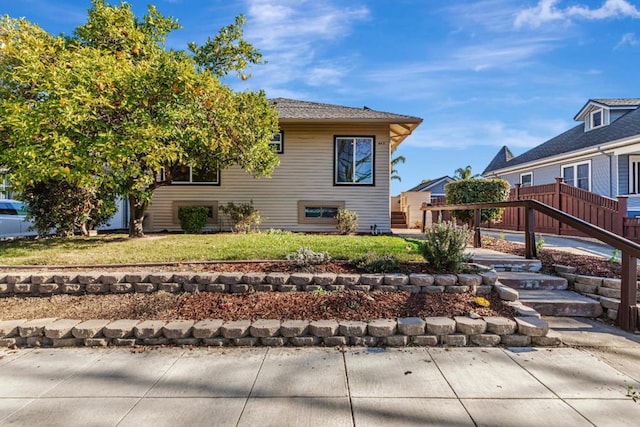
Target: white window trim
<point x="575" y="171"/>
<point x="604" y="118"/>
<point x="633" y="159"/>
<point x="279" y="145"/>
<point x="526" y="174"/>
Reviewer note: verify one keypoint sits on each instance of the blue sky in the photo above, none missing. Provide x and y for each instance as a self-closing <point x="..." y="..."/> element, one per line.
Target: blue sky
<point x="482" y="74"/>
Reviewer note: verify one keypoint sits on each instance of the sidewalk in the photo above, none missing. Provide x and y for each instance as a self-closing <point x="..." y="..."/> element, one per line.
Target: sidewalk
<point x="320" y="386"/>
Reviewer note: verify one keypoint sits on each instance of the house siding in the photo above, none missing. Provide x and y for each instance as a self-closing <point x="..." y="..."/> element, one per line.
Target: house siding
<point x="305" y="173"/>
<point x="438" y="189"/>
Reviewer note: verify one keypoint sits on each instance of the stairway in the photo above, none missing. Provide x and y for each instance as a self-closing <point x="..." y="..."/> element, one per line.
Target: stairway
<point x="398" y="220"/>
<point x="548" y="295"/>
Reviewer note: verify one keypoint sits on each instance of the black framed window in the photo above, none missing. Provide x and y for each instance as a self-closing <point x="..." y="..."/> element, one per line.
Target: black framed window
<point x="354" y="160"/>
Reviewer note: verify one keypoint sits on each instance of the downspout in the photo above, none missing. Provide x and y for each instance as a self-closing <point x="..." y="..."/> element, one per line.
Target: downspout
<point x="610" y="156"/>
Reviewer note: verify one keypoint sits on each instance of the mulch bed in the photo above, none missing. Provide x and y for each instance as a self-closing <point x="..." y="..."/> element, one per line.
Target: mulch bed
<point x="585" y="265"/>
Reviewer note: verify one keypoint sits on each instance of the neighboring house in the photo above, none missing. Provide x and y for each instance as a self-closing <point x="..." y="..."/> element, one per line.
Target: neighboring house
<point x="405" y="208"/>
<point x="331" y="157"/>
<point x="601" y="154"/>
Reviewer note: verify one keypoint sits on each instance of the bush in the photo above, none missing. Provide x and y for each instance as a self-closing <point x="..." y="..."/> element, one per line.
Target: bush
<point x="193" y="218"/>
<point x="65" y="207"/>
<point x="444" y="246"/>
<point x="347" y="221"/>
<point x="243" y="217"/>
<point x="304" y="257"/>
<point x="373" y="262"/>
<point x="477" y="191"/>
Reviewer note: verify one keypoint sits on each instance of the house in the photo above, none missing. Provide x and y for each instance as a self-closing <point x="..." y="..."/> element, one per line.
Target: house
<point x="405" y="208"/>
<point x="331" y="157"/>
<point x="601" y="154"/>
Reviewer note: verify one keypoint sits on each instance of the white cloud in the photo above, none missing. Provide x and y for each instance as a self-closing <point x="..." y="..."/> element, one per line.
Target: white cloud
<point x="627" y="39"/>
<point x="490" y="133"/>
<point x="293" y="37"/>
<point x="547" y="11"/>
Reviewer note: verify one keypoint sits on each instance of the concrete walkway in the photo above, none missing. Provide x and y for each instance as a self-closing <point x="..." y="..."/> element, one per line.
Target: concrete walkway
<point x="320" y="386"/>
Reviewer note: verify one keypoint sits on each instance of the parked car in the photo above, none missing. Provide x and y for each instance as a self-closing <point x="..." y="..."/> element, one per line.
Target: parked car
<point x="12" y="219"/>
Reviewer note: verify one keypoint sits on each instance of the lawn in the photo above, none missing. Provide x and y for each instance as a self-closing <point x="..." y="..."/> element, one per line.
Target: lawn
<point x="119" y="249"/>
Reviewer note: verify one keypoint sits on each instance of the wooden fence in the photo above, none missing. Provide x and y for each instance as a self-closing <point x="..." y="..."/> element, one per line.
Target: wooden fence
<point x="604" y="212"/>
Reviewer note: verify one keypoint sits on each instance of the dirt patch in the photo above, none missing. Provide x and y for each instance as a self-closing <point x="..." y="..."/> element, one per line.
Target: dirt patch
<point x="342" y="305"/>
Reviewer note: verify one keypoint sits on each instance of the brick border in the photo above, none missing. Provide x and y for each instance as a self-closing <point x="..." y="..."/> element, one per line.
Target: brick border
<point x="411" y="331"/>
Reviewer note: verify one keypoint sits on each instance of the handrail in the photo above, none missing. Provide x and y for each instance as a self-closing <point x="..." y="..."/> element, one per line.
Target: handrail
<point x="627" y="311"/>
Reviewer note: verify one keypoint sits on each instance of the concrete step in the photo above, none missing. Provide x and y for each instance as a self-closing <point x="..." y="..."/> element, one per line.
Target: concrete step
<point x="560" y="303"/>
<point x="524" y="280"/>
<point x="504" y="262"/>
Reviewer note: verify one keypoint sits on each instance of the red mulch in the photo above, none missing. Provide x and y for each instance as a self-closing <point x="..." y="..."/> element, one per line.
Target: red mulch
<point x="584" y="264"/>
<point x="343" y="305"/>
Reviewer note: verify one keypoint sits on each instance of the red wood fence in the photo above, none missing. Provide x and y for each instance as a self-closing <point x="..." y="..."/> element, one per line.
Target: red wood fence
<point x="603" y="212"/>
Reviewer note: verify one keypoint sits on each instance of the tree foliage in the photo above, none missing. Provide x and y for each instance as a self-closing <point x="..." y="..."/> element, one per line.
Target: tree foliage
<point x="110" y="107"/>
<point x="464" y="173"/>
<point x="395" y="161"/>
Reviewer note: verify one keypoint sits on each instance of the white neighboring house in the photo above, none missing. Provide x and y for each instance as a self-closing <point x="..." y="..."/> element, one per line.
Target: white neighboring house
<point x="601" y="154"/>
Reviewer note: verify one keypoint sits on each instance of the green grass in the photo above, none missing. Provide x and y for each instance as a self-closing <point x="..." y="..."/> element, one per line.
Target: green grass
<point x="119" y="249"/>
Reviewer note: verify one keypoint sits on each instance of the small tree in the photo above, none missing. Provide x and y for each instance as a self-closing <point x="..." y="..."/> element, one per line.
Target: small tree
<point x="64" y="207"/>
<point x="465" y="173"/>
<point x="347" y="221"/>
<point x="477" y="191"/>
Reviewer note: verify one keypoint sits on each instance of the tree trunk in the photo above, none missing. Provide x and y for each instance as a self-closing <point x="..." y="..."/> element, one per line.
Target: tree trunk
<point x="137" y="208"/>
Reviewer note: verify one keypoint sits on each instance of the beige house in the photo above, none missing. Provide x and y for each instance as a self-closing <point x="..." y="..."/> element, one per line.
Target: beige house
<point x="331" y="157"/>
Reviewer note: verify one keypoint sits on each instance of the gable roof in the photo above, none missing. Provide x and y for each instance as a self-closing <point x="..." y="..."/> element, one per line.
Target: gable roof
<point x="500" y="160"/>
<point x="610" y="103"/>
<point x="577" y="139"/>
<point x="427" y="186"/>
<point x="291" y="110"/>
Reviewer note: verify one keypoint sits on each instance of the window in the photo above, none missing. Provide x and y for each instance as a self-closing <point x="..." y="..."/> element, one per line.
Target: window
<point x="634" y="174"/>
<point x="277" y="142"/>
<point x="318" y="212"/>
<point x="353" y="160"/>
<point x="526" y="179"/>
<point x="202" y="176"/>
<point x="578" y="175"/>
<point x="596" y="119"/>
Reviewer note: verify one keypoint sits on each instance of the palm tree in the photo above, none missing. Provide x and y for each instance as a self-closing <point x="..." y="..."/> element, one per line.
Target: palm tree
<point x="464" y="174"/>
<point x="394" y="162"/>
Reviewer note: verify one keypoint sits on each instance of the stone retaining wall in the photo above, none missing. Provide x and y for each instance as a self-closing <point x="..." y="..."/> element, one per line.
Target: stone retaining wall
<point x="51" y="283"/>
<point x="603" y="289"/>
<point x="459" y="331"/>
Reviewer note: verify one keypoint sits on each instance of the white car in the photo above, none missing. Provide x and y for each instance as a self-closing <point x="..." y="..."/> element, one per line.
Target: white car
<point x="12" y="219"/>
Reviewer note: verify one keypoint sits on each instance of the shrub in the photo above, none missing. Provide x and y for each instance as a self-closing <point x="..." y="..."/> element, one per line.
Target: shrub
<point x="193" y="218"/>
<point x="444" y="246"/>
<point x="373" y="262"/>
<point x="347" y="221"/>
<point x="304" y="257"/>
<point x="477" y="191"/>
<point x="243" y="217"/>
<point x="65" y="207"/>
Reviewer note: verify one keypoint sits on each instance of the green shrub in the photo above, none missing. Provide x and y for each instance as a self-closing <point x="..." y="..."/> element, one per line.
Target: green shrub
<point x="243" y="217"/>
<point x="347" y="221"/>
<point x="193" y="218"/>
<point x="373" y="262"/>
<point x="305" y="257"/>
<point x="444" y="246"/>
<point x="477" y="191"/>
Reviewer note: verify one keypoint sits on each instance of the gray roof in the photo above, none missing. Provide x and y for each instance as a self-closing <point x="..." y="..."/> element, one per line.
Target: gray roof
<point x="500" y="160"/>
<point x="304" y="110"/>
<point x="400" y="126"/>
<point x="618" y="102"/>
<point x="427" y="186"/>
<point x="576" y="139"/>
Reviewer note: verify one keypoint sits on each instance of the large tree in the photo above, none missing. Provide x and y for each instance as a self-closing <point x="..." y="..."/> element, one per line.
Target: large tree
<point x="112" y="107"/>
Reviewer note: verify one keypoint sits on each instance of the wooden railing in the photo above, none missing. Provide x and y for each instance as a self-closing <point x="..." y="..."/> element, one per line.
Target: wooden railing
<point x="627" y="311"/>
<point x="604" y="212"/>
